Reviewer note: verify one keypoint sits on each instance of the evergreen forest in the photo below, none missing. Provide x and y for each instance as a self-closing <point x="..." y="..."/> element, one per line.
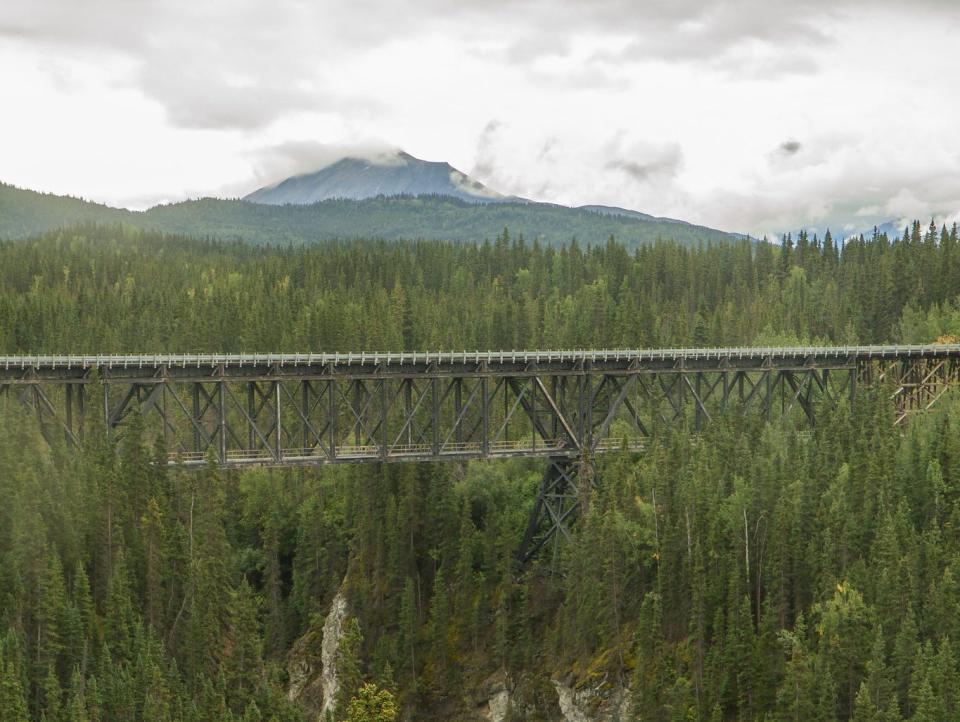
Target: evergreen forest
<point x="24" y="213"/>
<point x="754" y="572"/>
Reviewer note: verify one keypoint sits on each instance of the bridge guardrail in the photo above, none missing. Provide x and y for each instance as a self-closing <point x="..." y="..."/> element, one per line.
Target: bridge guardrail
<point x="241" y="360"/>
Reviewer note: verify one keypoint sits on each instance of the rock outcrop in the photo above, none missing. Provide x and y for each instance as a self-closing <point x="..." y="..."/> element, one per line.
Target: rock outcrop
<point x="592" y="705"/>
<point x="312" y="663"/>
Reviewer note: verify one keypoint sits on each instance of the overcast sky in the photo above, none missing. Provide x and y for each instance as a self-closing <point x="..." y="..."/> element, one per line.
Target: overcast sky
<point x="749" y="115"/>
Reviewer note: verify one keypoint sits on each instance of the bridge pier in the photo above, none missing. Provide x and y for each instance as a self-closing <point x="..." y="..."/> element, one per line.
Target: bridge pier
<point x="559" y="501"/>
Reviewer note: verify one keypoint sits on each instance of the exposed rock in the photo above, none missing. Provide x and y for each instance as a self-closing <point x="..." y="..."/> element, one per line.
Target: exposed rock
<point x="332" y="633"/>
<point x="312" y="666"/>
<point x="498" y="706"/>
<point x="496" y="693"/>
<point x="592" y="705"/>
<point x="303" y="669"/>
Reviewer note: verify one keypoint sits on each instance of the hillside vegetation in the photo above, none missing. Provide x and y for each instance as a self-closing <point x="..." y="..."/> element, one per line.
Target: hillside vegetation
<point x="111" y="289"/>
<point x="24" y="213"/>
<point x="756" y="574"/>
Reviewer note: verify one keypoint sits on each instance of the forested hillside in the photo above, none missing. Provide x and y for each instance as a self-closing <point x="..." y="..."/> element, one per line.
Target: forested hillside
<point x="97" y="289"/>
<point x="752" y="573"/>
<point x="24" y="213"/>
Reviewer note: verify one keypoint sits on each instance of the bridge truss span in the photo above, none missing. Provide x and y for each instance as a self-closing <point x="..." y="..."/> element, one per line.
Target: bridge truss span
<point x="564" y="406"/>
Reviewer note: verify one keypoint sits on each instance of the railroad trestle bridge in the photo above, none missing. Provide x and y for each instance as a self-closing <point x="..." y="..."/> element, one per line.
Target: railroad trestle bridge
<point x="565" y="406"/>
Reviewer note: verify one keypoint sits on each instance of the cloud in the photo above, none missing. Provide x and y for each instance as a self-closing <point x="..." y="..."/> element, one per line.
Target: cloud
<point x="665" y="166"/>
<point x="485" y="164"/>
<point x="643" y="161"/>
<point x="244" y="64"/>
<point x="275" y="163"/>
<point x="790" y="147"/>
<point x="850" y="185"/>
<point x="210" y="65"/>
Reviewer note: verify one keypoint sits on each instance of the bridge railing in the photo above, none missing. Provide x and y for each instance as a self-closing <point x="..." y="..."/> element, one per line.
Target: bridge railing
<point x="241" y="360"/>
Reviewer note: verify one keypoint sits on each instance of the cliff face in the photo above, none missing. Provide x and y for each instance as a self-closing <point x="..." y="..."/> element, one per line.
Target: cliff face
<point x="312" y="663"/>
<point x="589" y="704"/>
<point x="313" y="684"/>
<point x="505" y="699"/>
<point x="332" y="634"/>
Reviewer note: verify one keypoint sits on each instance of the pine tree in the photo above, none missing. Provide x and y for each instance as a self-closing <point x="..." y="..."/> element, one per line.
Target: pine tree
<point x="13" y="702"/>
<point x="349" y="665"/>
<point x="371" y="705"/>
<point x="438" y="632"/>
<point x="76" y="710"/>
<point x="158" y="702"/>
<point x="902" y="658"/>
<point x="796" y="701"/>
<point x="407" y="636"/>
<point x="649" y="675"/>
<point x="243" y="666"/>
<point x="51" y="694"/>
<point x="864" y="708"/>
<point x="50" y="610"/>
<point x="927" y="707"/>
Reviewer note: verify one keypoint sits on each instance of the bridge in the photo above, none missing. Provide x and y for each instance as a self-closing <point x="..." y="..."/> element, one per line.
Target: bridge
<point x="564" y="406"/>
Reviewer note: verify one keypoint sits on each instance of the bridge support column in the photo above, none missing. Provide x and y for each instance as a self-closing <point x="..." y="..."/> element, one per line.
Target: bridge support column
<point x="558" y="504"/>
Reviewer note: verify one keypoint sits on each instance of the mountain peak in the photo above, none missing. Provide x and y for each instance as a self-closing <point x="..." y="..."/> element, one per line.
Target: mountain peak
<point x="392" y="173"/>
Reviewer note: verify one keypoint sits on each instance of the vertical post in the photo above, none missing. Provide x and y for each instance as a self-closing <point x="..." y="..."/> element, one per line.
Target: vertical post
<point x="457" y="406"/>
<point x="782" y="381"/>
<point x="533" y="414"/>
<point x="356" y="411"/>
<point x="681" y="390"/>
<point x="222" y="408"/>
<point x="586" y="436"/>
<point x="698" y="412"/>
<point x="167" y="440"/>
<point x="768" y="400"/>
<point x="506" y="409"/>
<point x="305" y="400"/>
<point x="332" y="416"/>
<point x="68" y="387"/>
<point x="81" y="409"/>
<point x="278" y="439"/>
<point x="106" y="410"/>
<point x="854" y="371"/>
<point x="251" y="415"/>
<point x="408" y="408"/>
<point x="581" y="413"/>
<point x="435" y="421"/>
<point x="385" y="440"/>
<point x="195" y="392"/>
<point x="484" y="415"/>
<point x="35" y="402"/>
<point x="554" y="421"/>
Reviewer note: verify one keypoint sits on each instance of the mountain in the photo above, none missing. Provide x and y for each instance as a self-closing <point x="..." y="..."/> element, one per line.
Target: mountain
<point x="893" y="229"/>
<point x="422" y="217"/>
<point x="393" y="174"/>
<point x="25" y="213"/>
<point x="456" y="214"/>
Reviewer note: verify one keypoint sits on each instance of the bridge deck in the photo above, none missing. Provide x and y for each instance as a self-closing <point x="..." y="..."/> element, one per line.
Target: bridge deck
<point x="69" y="366"/>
